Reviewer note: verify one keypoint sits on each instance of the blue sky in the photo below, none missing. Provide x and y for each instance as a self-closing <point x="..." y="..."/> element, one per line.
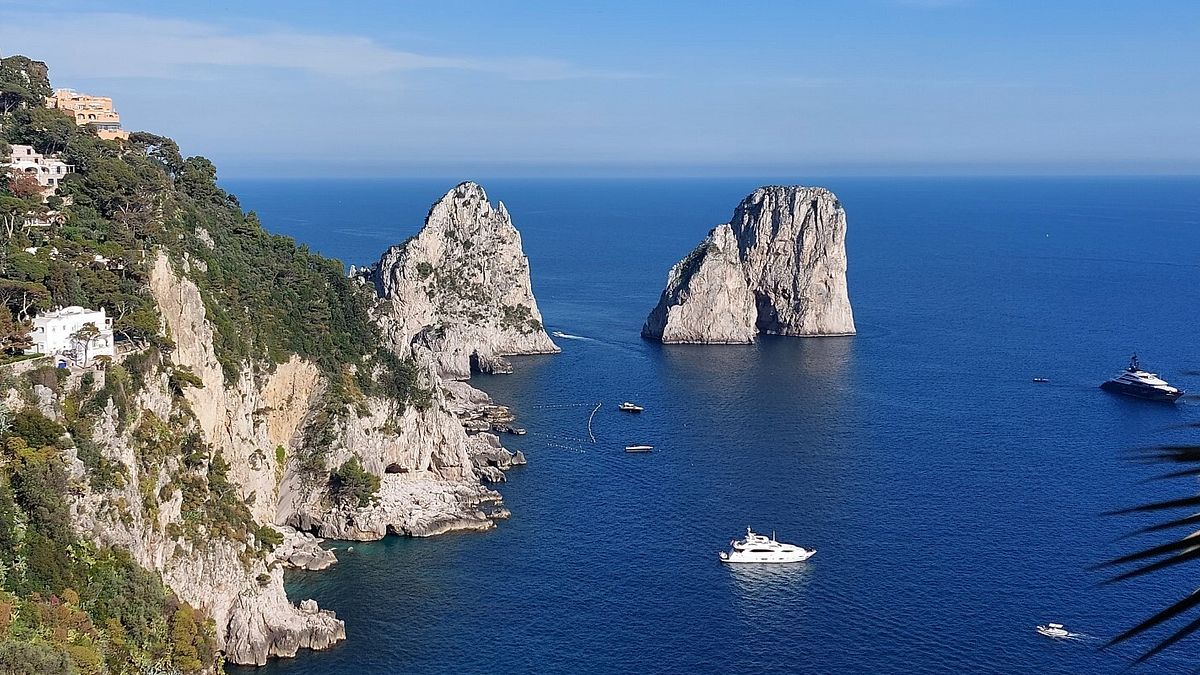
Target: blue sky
<point x="640" y="88"/>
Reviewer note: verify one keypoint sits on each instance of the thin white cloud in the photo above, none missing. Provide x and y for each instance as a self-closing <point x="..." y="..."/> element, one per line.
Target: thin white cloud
<point x="130" y="45"/>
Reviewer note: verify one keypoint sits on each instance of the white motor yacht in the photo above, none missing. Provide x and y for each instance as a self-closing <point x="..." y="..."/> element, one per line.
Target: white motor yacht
<point x="1133" y="381"/>
<point x="630" y="407"/>
<point x="757" y="548"/>
<point x="1054" y="630"/>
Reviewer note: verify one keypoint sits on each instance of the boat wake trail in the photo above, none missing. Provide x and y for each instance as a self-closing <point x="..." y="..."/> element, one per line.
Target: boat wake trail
<point x="568" y="336"/>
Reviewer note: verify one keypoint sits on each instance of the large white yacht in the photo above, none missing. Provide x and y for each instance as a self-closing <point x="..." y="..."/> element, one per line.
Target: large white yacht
<point x="756" y="548"/>
<point x="1133" y="381"/>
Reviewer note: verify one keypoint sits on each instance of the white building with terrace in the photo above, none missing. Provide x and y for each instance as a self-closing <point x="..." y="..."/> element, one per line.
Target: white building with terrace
<point x="57" y="332"/>
<point x="47" y="171"/>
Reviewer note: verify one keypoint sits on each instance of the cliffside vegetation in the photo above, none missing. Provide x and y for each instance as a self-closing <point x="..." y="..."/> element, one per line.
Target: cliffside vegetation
<point x="66" y="605"/>
<point x="268" y="297"/>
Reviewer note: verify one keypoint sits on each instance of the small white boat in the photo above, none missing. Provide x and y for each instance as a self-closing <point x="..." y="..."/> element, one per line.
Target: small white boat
<point x="630" y="407"/>
<point x="1040" y="379"/>
<point x="639" y="448"/>
<point x="757" y="548"/>
<point x="1053" y="630"/>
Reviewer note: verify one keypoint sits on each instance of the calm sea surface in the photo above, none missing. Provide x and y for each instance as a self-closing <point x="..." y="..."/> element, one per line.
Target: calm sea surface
<point x="954" y="504"/>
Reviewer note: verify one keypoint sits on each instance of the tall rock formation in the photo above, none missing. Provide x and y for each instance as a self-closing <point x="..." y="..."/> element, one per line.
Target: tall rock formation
<point x="778" y="268"/>
<point x="461" y="288"/>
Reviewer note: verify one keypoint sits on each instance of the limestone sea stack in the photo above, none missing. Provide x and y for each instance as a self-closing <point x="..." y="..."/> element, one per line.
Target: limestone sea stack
<point x="461" y="288"/>
<point x="777" y="268"/>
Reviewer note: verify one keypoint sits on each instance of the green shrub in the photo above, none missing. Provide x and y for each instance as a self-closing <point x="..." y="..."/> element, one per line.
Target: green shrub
<point x="38" y="430"/>
<point x="181" y="377"/>
<point x="268" y="536"/>
<point x="352" y="484"/>
<point x="27" y="657"/>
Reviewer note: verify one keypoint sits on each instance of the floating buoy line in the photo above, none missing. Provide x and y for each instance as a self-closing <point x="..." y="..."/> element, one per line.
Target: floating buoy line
<point x="559" y="406"/>
<point x="590" y="421"/>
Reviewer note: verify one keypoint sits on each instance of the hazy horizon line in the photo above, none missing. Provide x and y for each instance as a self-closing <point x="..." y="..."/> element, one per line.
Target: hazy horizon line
<point x="467" y="175"/>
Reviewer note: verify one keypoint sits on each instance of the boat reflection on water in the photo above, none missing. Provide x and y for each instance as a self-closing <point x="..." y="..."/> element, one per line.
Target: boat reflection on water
<point x="809" y="377"/>
<point x="774" y="584"/>
<point x="761" y="594"/>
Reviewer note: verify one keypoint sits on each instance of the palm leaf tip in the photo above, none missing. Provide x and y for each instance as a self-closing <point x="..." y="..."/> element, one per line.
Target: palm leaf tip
<point x="1188" y="542"/>
<point x="1187" y="556"/>
<point x="1176" y="637"/>
<point x="1171" y="612"/>
<point x="1157" y="506"/>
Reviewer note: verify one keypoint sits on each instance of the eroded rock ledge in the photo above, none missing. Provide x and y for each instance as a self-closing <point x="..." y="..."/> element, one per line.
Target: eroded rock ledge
<point x="778" y="267"/>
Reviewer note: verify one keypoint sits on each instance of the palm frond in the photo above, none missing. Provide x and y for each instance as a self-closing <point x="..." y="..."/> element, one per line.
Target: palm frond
<point x="1169" y="453"/>
<point x="1158" y="506"/>
<point x="1175" y="637"/>
<point x="1188" y="542"/>
<point x="1182" y="473"/>
<point x="1169" y="613"/>
<point x="1193" y="519"/>
<point x="1191" y="554"/>
<point x="1182" y="550"/>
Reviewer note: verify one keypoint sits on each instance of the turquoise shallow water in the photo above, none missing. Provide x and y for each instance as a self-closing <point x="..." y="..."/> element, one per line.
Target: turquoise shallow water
<point x="953" y="503"/>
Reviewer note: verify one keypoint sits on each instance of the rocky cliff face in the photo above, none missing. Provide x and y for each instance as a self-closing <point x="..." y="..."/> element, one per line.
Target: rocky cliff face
<point x="243" y="422"/>
<point x="455" y="297"/>
<point x="461" y="288"/>
<point x="430" y="467"/>
<point x="778" y="267"/>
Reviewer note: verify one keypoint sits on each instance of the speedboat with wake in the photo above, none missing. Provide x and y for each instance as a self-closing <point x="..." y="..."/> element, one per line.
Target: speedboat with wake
<point x="1053" y="630"/>
<point x="757" y="548"/>
<point x="1133" y="381"/>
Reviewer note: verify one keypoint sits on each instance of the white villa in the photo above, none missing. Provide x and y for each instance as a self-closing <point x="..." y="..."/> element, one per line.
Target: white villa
<point x="48" y="171"/>
<point x="52" y="333"/>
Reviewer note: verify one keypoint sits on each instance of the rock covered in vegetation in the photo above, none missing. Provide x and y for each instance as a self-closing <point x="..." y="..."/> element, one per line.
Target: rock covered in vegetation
<point x="428" y="483"/>
<point x="778" y="268"/>
<point x="251" y="379"/>
<point x="461" y="288"/>
<point x="423" y="454"/>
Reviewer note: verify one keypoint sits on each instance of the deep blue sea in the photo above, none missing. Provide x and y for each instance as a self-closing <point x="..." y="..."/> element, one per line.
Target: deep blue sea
<point x="953" y="503"/>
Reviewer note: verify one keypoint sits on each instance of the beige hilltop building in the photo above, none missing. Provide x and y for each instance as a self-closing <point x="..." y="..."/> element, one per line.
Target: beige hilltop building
<point x="89" y="111"/>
